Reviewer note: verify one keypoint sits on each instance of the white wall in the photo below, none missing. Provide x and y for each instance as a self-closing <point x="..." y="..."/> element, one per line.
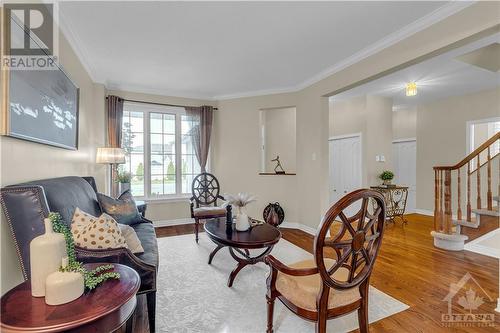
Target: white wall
<point x="404" y="123"/>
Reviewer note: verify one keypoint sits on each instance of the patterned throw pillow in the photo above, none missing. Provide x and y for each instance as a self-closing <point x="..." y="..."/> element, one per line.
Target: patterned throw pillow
<point x="96" y="233"/>
<point x="123" y="209"/>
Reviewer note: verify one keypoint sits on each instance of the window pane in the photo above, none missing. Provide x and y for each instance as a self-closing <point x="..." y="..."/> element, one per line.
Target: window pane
<point x="169" y="184"/>
<point x="156" y="144"/>
<point x="133" y="145"/>
<point x="169" y="124"/>
<point x="169" y="144"/>
<point x="155" y="123"/>
<point x="157" y="185"/>
<point x="157" y="164"/>
<point x="136" y="122"/>
<point x="190" y="165"/>
<point x="169" y="165"/>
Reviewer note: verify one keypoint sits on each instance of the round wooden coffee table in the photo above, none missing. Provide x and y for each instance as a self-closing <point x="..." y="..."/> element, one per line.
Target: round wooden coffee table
<point x="262" y="236"/>
<point x="104" y="309"/>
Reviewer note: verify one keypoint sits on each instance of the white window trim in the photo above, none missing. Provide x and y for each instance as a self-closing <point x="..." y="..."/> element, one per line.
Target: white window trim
<point x="147" y="109"/>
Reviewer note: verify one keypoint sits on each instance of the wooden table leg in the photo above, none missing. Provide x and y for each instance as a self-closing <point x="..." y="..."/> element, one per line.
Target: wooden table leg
<point x="211" y="256"/>
<point x="233" y="274"/>
<point x="244" y="260"/>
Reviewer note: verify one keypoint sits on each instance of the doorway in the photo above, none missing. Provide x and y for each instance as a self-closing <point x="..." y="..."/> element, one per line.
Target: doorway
<point x="404" y="154"/>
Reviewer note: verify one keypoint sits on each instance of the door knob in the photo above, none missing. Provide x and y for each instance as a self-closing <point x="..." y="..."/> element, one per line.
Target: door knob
<point x="345" y="191"/>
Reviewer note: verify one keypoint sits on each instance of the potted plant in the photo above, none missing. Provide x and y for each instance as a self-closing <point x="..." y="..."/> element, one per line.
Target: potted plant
<point x="123" y="179"/>
<point x="387" y="176"/>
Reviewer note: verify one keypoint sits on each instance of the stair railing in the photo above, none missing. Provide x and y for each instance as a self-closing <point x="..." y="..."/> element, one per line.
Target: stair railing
<point x="442" y="186"/>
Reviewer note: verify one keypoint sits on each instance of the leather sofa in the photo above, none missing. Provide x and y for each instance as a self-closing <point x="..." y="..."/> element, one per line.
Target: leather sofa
<point x="27" y="204"/>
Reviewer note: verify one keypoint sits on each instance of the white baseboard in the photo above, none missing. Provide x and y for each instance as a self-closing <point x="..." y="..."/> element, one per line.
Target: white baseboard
<point x="169" y="223"/>
<point x="424" y="212"/>
<point x="300" y="226"/>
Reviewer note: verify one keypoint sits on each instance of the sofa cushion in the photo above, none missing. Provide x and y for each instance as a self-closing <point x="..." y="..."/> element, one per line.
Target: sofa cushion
<point x="133" y="242"/>
<point x="146" y="234"/>
<point x="123" y="209"/>
<point x="96" y="233"/>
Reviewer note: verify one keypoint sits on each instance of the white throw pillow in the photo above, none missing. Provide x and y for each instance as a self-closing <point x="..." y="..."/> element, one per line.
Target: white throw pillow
<point x="133" y="242"/>
<point x="96" y="233"/>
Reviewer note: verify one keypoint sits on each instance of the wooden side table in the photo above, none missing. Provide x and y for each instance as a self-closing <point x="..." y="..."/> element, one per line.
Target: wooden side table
<point x="262" y="236"/>
<point x="395" y="201"/>
<point x="104" y="309"/>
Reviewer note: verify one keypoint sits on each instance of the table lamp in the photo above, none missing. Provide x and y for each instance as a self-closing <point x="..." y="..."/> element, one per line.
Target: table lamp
<point x="113" y="157"/>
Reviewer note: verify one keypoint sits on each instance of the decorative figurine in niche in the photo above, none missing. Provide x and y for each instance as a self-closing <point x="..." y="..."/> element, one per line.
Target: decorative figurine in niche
<point x="278" y="168"/>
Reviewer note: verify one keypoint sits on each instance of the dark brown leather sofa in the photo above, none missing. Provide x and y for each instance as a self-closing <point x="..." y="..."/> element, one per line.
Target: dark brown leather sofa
<point x="26" y="205"/>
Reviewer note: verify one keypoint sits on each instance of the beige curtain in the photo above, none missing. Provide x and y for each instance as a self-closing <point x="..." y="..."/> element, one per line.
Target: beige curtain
<point x="201" y="132"/>
<point x="114" y="121"/>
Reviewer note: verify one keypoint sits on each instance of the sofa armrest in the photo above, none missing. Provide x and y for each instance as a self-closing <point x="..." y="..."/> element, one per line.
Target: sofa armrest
<point x="121" y="256"/>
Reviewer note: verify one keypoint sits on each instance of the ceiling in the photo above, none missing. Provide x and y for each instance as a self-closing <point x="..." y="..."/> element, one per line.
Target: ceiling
<point x="437" y="78"/>
<point x="218" y="50"/>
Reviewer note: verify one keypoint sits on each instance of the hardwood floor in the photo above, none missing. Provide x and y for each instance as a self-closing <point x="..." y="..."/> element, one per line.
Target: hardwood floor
<point x="410" y="269"/>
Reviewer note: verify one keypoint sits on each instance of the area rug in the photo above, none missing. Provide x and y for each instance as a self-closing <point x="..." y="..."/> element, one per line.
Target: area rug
<point x="193" y="296"/>
<point x="488" y="244"/>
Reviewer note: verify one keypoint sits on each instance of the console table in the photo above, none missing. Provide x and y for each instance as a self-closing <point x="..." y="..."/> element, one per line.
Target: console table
<point x="395" y="201"/>
<point x="104" y="309"/>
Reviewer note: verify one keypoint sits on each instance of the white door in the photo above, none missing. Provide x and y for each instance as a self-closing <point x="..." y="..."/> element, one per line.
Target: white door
<point x="345" y="166"/>
<point x="405" y="170"/>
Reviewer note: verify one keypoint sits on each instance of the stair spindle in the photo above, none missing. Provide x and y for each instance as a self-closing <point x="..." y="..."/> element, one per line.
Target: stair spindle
<point x="436" y="200"/>
<point x="478" y="171"/>
<point x="459" y="194"/>
<point x="447" y="202"/>
<point x="469" y="208"/>
<point x="489" y="195"/>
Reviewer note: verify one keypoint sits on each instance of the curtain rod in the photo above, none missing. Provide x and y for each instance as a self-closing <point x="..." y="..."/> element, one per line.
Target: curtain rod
<point x="154" y="103"/>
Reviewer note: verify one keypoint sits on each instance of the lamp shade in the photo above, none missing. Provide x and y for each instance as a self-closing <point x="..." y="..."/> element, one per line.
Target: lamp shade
<point x="108" y="155"/>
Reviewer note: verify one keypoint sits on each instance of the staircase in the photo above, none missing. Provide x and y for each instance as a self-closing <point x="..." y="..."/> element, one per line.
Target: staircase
<point x="450" y="221"/>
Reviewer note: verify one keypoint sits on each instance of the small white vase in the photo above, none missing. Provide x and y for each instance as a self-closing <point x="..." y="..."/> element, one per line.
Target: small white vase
<point x="63" y="287"/>
<point x="46" y="253"/>
<point x="242" y="222"/>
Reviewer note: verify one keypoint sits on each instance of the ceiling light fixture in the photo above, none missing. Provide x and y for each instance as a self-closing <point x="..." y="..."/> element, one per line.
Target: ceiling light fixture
<point x="411" y="89"/>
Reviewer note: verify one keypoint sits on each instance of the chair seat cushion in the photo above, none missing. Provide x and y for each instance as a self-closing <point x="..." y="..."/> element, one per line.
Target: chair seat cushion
<point x="205" y="212"/>
<point x="303" y="290"/>
<point x="147" y="236"/>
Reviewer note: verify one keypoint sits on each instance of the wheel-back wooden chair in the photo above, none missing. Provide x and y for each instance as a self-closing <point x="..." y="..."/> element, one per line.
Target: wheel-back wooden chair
<point x="206" y="191"/>
<point x="324" y="288"/>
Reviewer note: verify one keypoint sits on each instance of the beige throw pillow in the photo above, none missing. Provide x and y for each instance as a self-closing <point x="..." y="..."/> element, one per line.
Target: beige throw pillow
<point x="96" y="233"/>
<point x="133" y="242"/>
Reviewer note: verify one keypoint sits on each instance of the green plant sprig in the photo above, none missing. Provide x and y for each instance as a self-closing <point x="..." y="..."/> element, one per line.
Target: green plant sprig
<point x="386" y="175"/>
<point x="91" y="279"/>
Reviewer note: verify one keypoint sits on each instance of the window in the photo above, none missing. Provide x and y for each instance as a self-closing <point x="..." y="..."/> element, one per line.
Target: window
<point x="478" y="132"/>
<point x="158" y="142"/>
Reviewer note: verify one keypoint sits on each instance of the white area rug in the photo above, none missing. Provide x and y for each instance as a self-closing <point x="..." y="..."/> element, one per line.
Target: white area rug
<point x="193" y="296"/>
<point x="488" y="244"/>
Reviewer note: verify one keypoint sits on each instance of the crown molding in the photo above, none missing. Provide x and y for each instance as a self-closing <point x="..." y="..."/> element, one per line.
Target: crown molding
<point x="424" y="22"/>
<point x="78" y="47"/>
<point x="155" y="91"/>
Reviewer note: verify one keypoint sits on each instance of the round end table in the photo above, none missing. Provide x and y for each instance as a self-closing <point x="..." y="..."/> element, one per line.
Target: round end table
<point x="104" y="309"/>
<point x="262" y="236"/>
